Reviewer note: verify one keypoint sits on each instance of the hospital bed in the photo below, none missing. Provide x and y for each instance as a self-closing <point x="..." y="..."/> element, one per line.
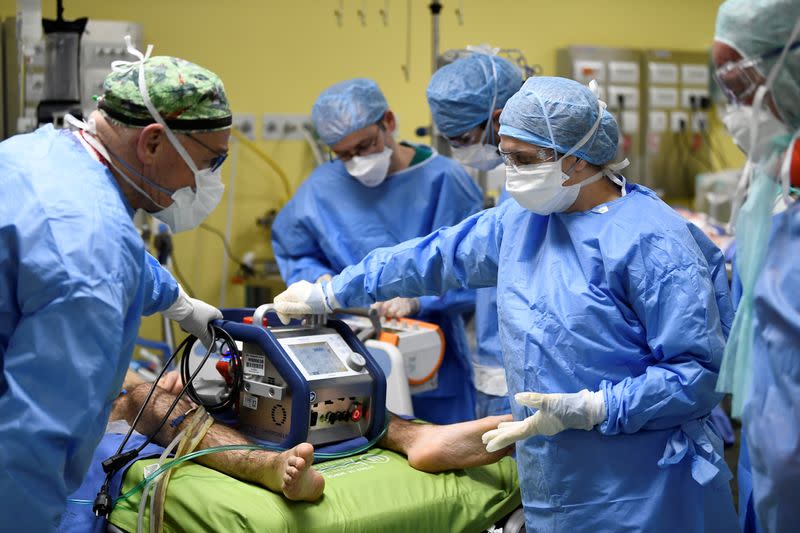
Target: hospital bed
<point x="373" y="491"/>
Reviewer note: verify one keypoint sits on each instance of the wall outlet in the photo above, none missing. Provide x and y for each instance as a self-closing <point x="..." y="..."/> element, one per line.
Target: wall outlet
<point x="245" y="123"/>
<point x="283" y="127"/>
<point x="699" y="121"/>
<point x="676" y="119"/>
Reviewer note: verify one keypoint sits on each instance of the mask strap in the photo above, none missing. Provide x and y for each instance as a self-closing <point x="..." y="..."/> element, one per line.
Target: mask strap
<point x="601" y="106"/>
<point x="740" y="194"/>
<point x="124" y="66"/>
<point x="613" y="169"/>
<point x="785" y="172"/>
<point x="489" y="125"/>
<point x="95" y="143"/>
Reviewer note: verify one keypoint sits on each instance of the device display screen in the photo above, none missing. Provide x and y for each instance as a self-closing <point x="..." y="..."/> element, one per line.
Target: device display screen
<point x="318" y="358"/>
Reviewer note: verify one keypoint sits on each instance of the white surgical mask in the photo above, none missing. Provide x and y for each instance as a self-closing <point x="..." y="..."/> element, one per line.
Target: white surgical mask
<point x="478" y="156"/>
<point x="370" y="169"/>
<point x="739" y="120"/>
<point x="539" y="187"/>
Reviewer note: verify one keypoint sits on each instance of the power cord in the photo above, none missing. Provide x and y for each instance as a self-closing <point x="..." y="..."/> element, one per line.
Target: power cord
<point x="102" y="503"/>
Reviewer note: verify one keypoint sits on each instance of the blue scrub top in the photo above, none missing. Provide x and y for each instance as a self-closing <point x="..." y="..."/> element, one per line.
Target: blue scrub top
<point x="627" y="298"/>
<point x="334" y="221"/>
<point x="74" y="282"/>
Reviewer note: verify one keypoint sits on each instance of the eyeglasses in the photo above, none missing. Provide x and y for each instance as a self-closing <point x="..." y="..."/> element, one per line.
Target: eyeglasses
<point x="528" y="157"/>
<point x="471" y="137"/>
<point x="218" y="158"/>
<point x="363" y="148"/>
<point x="740" y="79"/>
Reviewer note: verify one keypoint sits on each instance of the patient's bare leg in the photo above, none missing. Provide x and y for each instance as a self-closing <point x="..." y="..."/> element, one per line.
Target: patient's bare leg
<point x="433" y="448"/>
<point x="288" y="472"/>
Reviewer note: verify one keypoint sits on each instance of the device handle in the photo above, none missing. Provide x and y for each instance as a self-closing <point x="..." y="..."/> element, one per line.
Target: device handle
<point x="368" y="312"/>
<point x="261" y="310"/>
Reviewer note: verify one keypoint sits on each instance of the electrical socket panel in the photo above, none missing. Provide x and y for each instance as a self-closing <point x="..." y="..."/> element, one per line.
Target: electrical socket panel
<point x="245" y="123"/>
<point x="285" y="127"/>
<point x="676" y="118"/>
<point x="699" y="121"/>
<point x="688" y="94"/>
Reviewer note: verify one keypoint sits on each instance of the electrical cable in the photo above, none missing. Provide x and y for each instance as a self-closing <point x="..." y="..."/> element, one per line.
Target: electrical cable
<point x="120" y="458"/>
<point x="235" y="368"/>
<point x="312" y="144"/>
<point x="267" y="159"/>
<point x="179" y="275"/>
<point x="225" y="243"/>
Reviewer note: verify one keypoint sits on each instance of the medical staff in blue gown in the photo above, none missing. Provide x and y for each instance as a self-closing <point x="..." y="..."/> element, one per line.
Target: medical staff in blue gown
<point x="466" y="98"/>
<point x="758" y="69"/>
<point x="612" y="311"/>
<point x="379" y="192"/>
<point x="74" y="275"/>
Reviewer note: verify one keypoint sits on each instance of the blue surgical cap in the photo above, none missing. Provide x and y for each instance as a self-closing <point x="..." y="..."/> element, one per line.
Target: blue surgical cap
<point x="461" y="93"/>
<point x="347" y="107"/>
<point x="754" y="27"/>
<point x="568" y="110"/>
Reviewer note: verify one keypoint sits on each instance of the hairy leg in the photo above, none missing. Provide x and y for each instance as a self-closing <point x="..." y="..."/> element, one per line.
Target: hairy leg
<point x="288" y="472"/>
<point x="433" y="448"/>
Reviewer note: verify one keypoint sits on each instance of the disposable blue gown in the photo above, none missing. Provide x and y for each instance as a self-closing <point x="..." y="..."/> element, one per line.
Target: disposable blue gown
<point x="771" y="415"/>
<point x="74" y="282"/>
<point x="627" y="299"/>
<point x="489" y="401"/>
<point x="333" y="221"/>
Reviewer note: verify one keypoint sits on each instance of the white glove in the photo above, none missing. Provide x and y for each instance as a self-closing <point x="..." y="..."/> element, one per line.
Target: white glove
<point x="324" y="277"/>
<point x="397" y="307"/>
<point x="556" y="412"/>
<point x="193" y="316"/>
<point x="304" y="298"/>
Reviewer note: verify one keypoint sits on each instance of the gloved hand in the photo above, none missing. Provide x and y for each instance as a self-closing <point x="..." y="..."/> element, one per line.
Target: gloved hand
<point x="397" y="307"/>
<point x="556" y="412"/>
<point x="193" y="316"/>
<point x="304" y="298"/>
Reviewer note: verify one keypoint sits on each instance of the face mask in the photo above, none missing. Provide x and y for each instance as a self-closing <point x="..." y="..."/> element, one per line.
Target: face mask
<point x="190" y="206"/>
<point x="370" y="169"/>
<point x="539" y="187"/>
<point x="478" y="156"/>
<point x="740" y="120"/>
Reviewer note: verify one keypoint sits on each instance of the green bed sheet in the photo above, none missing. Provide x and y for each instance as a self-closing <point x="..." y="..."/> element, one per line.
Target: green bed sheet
<point x="375" y="491"/>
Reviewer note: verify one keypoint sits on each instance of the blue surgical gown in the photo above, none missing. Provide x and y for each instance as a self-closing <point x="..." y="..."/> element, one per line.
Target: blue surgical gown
<point x="74" y="282"/>
<point x="491" y="389"/>
<point x="771" y="415"/>
<point x="333" y="221"/>
<point x="627" y="298"/>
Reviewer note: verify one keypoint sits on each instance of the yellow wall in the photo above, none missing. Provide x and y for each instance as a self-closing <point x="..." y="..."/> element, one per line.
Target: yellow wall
<point x="276" y="56"/>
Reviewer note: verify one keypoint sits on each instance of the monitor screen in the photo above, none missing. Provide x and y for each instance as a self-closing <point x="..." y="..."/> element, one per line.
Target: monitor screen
<point x="318" y="358"/>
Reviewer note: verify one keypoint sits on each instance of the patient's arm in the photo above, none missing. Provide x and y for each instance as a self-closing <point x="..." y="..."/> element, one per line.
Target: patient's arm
<point x="289" y="472"/>
<point x="432" y="448"/>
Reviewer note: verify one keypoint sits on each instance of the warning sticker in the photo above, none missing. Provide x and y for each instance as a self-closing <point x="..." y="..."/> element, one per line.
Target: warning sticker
<point x="250" y="401"/>
<point x="254" y="364"/>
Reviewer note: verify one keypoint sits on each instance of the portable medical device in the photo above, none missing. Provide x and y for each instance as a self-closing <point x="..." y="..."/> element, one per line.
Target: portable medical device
<point x="421" y="343"/>
<point x="312" y="383"/>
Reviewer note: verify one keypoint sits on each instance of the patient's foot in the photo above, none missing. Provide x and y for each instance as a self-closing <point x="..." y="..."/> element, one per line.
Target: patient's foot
<point x="438" y="448"/>
<point x="290" y="472"/>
